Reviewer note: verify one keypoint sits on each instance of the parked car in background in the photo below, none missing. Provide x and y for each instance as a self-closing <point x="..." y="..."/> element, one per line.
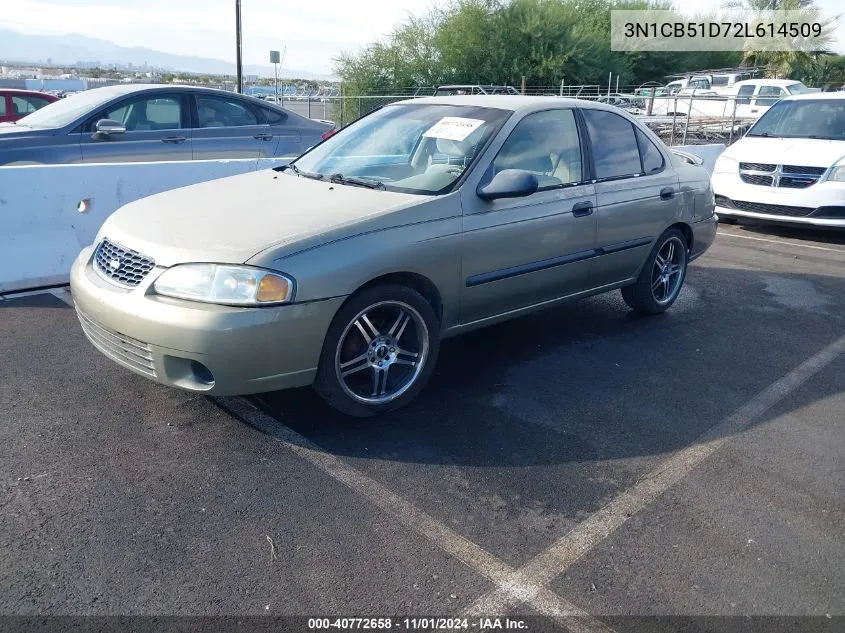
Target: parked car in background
<point x="425" y="219"/>
<point x="132" y="123"/>
<point x="16" y="104"/>
<point x="789" y="167"/>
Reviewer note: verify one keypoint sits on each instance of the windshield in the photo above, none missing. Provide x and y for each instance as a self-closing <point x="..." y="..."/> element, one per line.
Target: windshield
<point x="797" y="89"/>
<point x="421" y="149"/>
<point x="812" y="118"/>
<point x="67" y="110"/>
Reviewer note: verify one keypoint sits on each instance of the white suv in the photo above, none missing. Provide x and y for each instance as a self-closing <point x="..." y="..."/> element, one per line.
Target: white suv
<point x="789" y="167"/>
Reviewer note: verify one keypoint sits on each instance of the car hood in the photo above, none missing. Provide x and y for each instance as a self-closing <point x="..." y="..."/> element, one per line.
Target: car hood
<point x="12" y="130"/>
<point x="808" y="152"/>
<point x="230" y="220"/>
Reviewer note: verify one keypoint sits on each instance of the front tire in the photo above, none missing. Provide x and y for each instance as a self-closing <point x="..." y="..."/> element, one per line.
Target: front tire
<point x="662" y="276"/>
<point x="379" y="351"/>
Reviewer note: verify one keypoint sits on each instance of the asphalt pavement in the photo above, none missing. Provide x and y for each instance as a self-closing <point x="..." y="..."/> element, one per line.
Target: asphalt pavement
<point x="600" y="469"/>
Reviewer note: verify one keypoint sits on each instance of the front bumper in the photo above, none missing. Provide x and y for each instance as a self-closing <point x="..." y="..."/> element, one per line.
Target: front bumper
<point x="819" y="205"/>
<point x="218" y="350"/>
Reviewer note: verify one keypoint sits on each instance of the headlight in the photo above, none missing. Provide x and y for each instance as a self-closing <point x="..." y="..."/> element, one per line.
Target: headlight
<point x="837" y="174"/>
<point x="228" y="285"/>
<point x="725" y="165"/>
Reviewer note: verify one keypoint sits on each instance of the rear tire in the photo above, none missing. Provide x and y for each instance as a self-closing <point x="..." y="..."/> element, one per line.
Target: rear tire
<point x="379" y="351"/>
<point x="662" y="276"/>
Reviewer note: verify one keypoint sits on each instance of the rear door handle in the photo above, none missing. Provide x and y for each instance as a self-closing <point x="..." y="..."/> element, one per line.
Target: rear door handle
<point x="176" y="140"/>
<point x="667" y="193"/>
<point x="580" y="209"/>
<point x="263" y="137"/>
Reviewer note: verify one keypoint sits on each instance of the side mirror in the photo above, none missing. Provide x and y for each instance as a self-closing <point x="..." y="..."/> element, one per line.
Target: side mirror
<point x="509" y="183"/>
<point x="108" y="127"/>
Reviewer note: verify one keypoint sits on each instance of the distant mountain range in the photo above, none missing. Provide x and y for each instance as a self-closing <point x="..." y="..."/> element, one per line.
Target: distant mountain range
<point x="70" y="49"/>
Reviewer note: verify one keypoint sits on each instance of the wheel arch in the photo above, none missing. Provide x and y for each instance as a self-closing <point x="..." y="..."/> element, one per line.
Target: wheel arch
<point x="422" y="284"/>
<point x="686" y="229"/>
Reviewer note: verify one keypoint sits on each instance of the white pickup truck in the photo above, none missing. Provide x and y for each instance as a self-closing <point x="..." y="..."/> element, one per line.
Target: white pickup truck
<point x="752" y="97"/>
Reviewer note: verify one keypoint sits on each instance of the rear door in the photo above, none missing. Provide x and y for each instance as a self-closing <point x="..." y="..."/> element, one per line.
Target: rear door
<point x="637" y="192"/>
<point x="289" y="138"/>
<point x="229" y="127"/>
<point x="767" y="96"/>
<point x="157" y="129"/>
<point x="743" y="101"/>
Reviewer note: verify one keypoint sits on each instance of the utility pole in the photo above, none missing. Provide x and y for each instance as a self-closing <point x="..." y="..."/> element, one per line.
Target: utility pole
<point x="238" y="40"/>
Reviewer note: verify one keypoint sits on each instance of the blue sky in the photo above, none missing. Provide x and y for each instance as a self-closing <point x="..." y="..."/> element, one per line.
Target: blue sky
<point x="315" y="32"/>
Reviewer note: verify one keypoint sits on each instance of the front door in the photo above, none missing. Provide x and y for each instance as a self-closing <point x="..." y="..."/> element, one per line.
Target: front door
<point x="157" y="129"/>
<point x="523" y="251"/>
<point x="638" y="193"/>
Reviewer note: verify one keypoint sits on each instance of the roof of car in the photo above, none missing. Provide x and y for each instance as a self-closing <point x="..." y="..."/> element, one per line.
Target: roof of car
<point x="125" y="89"/>
<point x="22" y="91"/>
<point x="811" y="96"/>
<point x="504" y="102"/>
<point x="768" y="82"/>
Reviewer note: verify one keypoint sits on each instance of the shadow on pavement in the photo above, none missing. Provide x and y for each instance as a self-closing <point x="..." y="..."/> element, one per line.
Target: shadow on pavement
<point x="591" y="380"/>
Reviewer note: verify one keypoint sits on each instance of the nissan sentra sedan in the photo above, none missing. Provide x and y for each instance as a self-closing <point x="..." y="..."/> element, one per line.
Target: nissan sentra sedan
<point x="425" y="219"/>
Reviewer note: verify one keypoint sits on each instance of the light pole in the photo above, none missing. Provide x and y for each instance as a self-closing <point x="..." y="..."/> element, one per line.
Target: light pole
<point x="238" y="39"/>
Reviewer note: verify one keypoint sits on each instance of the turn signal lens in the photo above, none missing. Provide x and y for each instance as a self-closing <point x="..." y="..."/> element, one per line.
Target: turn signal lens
<point x="273" y="289"/>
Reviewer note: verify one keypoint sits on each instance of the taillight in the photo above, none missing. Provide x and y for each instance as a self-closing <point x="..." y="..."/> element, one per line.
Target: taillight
<point x="328" y="133"/>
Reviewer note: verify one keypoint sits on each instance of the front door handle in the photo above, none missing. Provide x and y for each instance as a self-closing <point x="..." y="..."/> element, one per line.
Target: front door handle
<point x="580" y="209"/>
<point x="263" y="137"/>
<point x="667" y="193"/>
<point x="176" y="140"/>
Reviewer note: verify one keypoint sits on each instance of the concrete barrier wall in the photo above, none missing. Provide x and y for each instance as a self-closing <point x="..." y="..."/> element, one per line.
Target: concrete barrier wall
<point x="48" y="213"/>
<point x="43" y="226"/>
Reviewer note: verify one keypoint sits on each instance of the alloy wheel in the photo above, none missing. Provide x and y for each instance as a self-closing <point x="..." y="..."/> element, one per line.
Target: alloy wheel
<point x="382" y="352"/>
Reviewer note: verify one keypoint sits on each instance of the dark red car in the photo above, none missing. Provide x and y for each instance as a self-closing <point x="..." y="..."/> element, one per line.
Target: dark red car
<point x="15" y="104"/>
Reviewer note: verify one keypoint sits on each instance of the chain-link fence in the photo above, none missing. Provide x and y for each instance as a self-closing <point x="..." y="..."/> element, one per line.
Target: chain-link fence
<point x="681" y="119"/>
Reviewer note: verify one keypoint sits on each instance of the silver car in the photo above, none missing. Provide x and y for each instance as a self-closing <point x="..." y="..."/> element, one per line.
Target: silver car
<point x="426" y="219"/>
<point x="134" y="123"/>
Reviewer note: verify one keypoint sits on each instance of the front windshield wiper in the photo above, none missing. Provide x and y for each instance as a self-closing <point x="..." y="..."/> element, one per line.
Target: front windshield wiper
<point x="358" y="182"/>
<point x="299" y="172"/>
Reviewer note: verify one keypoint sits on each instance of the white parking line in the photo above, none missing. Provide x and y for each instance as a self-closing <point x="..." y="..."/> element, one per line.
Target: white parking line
<point x="474" y="556"/>
<point x="761" y="239"/>
<point x="552" y="562"/>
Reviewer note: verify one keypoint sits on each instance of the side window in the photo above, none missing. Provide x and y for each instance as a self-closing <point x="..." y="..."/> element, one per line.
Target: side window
<point x="272" y="117"/>
<point x="27" y="105"/>
<point x="769" y="95"/>
<point x="2" y="105"/>
<point x="744" y="95"/>
<point x="650" y="155"/>
<point x="547" y="145"/>
<point x="147" y="113"/>
<point x="224" y="112"/>
<point x="614" y="144"/>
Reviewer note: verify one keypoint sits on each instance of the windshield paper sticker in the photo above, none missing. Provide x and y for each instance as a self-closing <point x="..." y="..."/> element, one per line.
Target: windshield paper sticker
<point x="454" y="128"/>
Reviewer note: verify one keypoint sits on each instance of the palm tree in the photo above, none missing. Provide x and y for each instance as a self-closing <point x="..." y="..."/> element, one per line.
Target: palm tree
<point x="780" y="64"/>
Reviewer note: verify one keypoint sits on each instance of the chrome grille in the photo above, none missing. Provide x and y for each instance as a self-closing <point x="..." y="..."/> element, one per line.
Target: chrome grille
<point x="788" y="176"/>
<point x="757" y="166"/>
<point x="120" y="265"/>
<point x="120" y="348"/>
